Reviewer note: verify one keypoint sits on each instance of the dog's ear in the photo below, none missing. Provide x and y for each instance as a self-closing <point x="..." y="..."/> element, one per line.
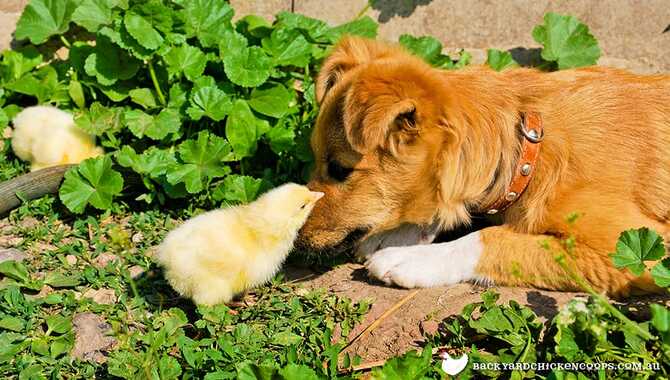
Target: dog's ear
<point x="349" y="53"/>
<point x="385" y="124"/>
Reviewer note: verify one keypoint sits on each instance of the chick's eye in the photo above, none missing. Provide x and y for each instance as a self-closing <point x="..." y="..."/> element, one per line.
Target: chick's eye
<point x="338" y="172"/>
<point x="303" y="206"/>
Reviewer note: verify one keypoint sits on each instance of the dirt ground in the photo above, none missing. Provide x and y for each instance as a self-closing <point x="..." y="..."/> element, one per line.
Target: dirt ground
<point x="405" y="328"/>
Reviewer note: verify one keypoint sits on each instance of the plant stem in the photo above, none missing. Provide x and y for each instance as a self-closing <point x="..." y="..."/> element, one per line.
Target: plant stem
<point x="363" y="11"/>
<point x="602" y="300"/>
<point x="65" y="41"/>
<point x="152" y="72"/>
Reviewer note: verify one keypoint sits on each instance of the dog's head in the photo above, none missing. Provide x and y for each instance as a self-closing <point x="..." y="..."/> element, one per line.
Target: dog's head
<point x="384" y="142"/>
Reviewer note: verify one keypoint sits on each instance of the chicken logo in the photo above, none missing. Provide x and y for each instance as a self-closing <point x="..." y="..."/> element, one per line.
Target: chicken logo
<point x="453" y="366"/>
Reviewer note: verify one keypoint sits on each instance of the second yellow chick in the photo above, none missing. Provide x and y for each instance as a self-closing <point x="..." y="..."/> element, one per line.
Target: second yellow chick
<point x="46" y="136"/>
<point x="221" y="253"/>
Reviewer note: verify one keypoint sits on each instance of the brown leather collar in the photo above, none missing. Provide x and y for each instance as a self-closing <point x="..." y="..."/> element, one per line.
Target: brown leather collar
<point x="531" y="129"/>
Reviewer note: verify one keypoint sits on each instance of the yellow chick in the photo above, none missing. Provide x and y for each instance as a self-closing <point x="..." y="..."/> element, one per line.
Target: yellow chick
<point x="224" y="252"/>
<point x="47" y="136"/>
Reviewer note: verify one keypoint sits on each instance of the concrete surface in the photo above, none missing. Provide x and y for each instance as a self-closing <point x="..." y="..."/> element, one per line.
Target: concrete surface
<point x="630" y="32"/>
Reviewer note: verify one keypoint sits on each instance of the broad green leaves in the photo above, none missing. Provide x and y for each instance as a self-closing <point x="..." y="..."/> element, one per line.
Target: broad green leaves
<point x="155" y="127"/>
<point x="273" y="100"/>
<point x="109" y="64"/>
<point x="566" y="41"/>
<point x="92" y="14"/>
<point x="430" y="50"/>
<point x="245" y="66"/>
<point x="637" y="246"/>
<point x="208" y="20"/>
<point x="238" y="189"/>
<point x="44" y="18"/>
<point x="142" y="31"/>
<point x="202" y="160"/>
<point x="93" y="182"/>
<point x="500" y="60"/>
<point x="243" y="129"/>
<point x="186" y="59"/>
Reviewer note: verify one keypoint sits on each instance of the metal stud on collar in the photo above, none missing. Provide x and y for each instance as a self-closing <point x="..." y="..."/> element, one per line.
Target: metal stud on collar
<point x="511" y="196"/>
<point x="525" y="169"/>
<point x="492" y="211"/>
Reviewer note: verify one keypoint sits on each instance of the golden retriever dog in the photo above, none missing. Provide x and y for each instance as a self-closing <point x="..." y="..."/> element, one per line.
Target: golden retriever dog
<point x="404" y="150"/>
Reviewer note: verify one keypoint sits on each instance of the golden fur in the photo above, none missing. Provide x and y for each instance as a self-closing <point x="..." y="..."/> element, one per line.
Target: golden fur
<point x="428" y="144"/>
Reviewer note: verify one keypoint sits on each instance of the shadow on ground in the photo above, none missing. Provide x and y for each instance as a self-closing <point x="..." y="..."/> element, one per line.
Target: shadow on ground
<point x="390" y="8"/>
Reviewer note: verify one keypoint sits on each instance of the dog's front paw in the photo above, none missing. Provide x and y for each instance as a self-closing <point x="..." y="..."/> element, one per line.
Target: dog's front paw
<point x="423" y="266"/>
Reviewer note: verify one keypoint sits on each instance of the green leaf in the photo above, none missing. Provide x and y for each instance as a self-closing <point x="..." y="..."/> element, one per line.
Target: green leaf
<point x="364" y="27"/>
<point x="209" y="101"/>
<point x="58" y="280"/>
<point x="92" y="14"/>
<point x="100" y="119"/>
<point x="142" y="31"/>
<point x="566" y="41"/>
<point x="298" y="371"/>
<point x="42" y="84"/>
<point x="76" y="92"/>
<point x="12" y="323"/>
<point x="32" y="372"/>
<point x="317" y="30"/>
<point x="661" y="273"/>
<point x="244" y="66"/>
<point x="157" y="128"/>
<point x="93" y="182"/>
<point x="500" y="60"/>
<point x="187" y="60"/>
<point x="242" y="129"/>
<point x="16" y="63"/>
<point x="410" y="366"/>
<point x="60" y="345"/>
<point x="426" y="47"/>
<point x="288" y="47"/>
<point x="257" y="26"/>
<point x="202" y="160"/>
<point x="144" y="97"/>
<point x="58" y="323"/>
<point x="273" y="100"/>
<point x="14" y="269"/>
<point x="637" y="246"/>
<point x="208" y="20"/>
<point x="169" y="368"/>
<point x="660" y="317"/>
<point x="286" y="338"/>
<point x="42" y="19"/>
<point x="108" y="63"/>
<point x="153" y="161"/>
<point x="249" y="371"/>
<point x="282" y="138"/>
<point x="238" y="189"/>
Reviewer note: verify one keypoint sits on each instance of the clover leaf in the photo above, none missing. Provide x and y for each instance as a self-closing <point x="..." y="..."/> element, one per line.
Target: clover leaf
<point x="566" y="41"/>
<point x="93" y="182"/>
<point x="244" y="66"/>
<point x="209" y="101"/>
<point x="288" y="47"/>
<point x="153" y="162"/>
<point x="637" y="246"/>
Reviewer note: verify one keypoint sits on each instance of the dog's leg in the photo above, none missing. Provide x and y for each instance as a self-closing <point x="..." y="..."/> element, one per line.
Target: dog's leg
<point x="405" y="235"/>
<point x="504" y="257"/>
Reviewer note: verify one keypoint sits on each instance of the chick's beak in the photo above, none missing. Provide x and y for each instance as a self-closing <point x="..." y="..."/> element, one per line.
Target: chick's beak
<point x="316" y="195"/>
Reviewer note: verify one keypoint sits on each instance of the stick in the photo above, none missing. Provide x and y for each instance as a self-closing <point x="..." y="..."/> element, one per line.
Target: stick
<point x="381" y="318"/>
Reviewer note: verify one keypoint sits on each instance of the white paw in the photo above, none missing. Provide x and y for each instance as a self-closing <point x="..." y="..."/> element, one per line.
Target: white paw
<point x="402" y="236"/>
<point x="422" y="266"/>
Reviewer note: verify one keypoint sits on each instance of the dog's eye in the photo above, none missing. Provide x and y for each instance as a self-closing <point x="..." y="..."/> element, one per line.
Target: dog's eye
<point x="338" y="172"/>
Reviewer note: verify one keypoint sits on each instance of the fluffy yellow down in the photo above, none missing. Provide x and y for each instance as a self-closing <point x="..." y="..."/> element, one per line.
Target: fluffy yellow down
<point x="47" y="136"/>
<point x="221" y="253"/>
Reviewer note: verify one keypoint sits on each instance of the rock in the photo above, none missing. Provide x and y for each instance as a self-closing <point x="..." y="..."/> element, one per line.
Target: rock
<point x="71" y="259"/>
<point x="12" y="254"/>
<point x="29" y="222"/>
<point x="105" y="258"/>
<point x="102" y="296"/>
<point x="135" y="271"/>
<point x="137" y="237"/>
<point x="91" y="341"/>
